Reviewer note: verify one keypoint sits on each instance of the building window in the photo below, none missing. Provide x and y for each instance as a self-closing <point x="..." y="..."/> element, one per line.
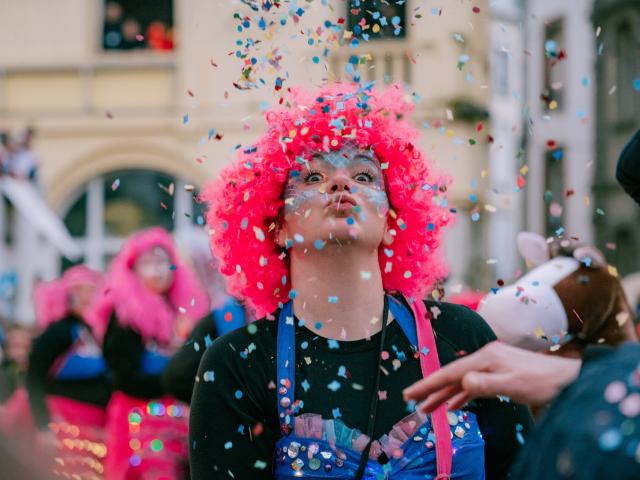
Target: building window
<point x="138" y="24"/>
<point x="627" y="62"/>
<point x="554" y="65"/>
<point x="113" y="206"/>
<point x="554" y="191"/>
<point x="372" y="19"/>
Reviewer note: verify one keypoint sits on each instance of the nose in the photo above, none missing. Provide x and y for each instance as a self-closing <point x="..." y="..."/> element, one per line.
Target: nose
<point x="340" y="183"/>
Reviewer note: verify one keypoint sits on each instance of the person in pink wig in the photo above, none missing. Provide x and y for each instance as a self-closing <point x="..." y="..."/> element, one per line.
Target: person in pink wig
<point x="66" y="379"/>
<point x="148" y="306"/>
<point x="330" y="225"/>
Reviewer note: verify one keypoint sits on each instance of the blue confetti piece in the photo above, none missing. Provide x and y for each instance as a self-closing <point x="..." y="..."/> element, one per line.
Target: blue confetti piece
<point x="228" y="445"/>
<point x="305" y="385"/>
<point x="207" y="341"/>
<point x="185" y="119"/>
<point x="334" y="386"/>
<point x="342" y="371"/>
<point x="238" y="394"/>
<point x="336" y="413"/>
<point x="304" y="345"/>
<point x="333" y="344"/>
<point x="333" y="299"/>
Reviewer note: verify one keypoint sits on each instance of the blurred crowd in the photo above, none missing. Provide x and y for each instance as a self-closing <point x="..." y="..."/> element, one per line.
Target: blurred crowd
<point x="125" y="32"/>
<point x="17" y="158"/>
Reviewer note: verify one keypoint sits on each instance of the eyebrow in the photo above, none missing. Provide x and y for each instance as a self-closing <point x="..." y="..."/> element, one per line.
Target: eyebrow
<point x="358" y="156"/>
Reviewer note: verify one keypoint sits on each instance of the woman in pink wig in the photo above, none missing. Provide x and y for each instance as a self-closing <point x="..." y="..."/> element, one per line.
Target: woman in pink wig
<point x="148" y="307"/>
<point x="330" y="225"/>
<point x="67" y="377"/>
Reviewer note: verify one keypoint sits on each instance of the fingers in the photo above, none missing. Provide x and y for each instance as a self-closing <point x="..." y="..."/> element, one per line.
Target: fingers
<point x="437" y="398"/>
<point x="459" y="400"/>
<point x="481" y="384"/>
<point x="450" y="374"/>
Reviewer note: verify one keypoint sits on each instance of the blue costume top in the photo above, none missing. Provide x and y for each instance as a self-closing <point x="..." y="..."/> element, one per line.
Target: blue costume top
<point x="83" y="360"/>
<point x="313" y="447"/>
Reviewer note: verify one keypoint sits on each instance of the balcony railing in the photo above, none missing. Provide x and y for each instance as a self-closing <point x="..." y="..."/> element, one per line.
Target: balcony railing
<point x="381" y="61"/>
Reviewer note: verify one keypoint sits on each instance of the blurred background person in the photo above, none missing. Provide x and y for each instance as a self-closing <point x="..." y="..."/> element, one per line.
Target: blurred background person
<point x="67" y="379"/>
<point x="146" y="310"/>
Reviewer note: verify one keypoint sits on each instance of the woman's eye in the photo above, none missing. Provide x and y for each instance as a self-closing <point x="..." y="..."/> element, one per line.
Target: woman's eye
<point x="363" y="177"/>
<point x="313" y="177"/>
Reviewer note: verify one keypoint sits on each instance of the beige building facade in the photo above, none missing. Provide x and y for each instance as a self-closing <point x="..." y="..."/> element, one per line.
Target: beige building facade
<point x="125" y="138"/>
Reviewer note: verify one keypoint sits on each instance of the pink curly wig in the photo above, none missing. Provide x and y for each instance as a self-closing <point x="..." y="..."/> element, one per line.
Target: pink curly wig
<point x="148" y="313"/>
<point x="245" y="201"/>
<point x="52" y="298"/>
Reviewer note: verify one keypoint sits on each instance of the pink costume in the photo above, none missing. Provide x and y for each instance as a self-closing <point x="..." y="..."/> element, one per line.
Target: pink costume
<point x="146" y="429"/>
<point x="66" y="382"/>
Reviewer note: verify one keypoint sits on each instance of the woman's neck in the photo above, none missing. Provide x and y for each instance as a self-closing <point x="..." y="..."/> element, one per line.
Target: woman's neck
<point x="338" y="291"/>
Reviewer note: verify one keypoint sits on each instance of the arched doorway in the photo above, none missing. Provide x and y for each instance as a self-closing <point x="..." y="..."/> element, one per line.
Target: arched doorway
<point x="110" y="207"/>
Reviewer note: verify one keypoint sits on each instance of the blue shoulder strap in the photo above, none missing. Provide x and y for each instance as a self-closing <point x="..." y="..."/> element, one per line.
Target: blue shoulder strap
<point x="404" y="317"/>
<point x="286" y="363"/>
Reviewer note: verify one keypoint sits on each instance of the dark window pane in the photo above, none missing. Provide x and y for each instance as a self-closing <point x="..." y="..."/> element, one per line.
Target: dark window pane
<point x="136" y="24"/>
<point x="76" y="218"/>
<point x="555" y="65"/>
<point x="370" y="19"/>
<point x="67" y="264"/>
<point x="199" y="209"/>
<point x="627" y="70"/>
<point x="554" y="191"/>
<point x="136" y="199"/>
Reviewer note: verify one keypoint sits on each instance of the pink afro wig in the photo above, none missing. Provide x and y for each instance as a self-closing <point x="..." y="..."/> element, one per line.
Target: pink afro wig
<point x="52" y="298"/>
<point x="148" y="313"/>
<point x="245" y="201"/>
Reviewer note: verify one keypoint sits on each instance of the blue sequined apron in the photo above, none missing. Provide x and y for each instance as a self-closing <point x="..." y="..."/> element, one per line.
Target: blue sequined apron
<point x="329" y="457"/>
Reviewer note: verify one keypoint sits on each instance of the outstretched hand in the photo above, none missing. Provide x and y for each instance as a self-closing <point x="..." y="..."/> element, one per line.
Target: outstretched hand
<point x="495" y="369"/>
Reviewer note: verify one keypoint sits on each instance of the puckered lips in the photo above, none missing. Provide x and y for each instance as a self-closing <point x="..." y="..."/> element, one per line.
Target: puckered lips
<point x="341" y="202"/>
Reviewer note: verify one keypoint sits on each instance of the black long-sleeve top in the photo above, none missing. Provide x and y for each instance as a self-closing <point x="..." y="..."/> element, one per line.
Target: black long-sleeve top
<point x="123" y="349"/>
<point x="223" y="442"/>
<point x="45" y="350"/>
<point x="628" y="169"/>
<point x="179" y="375"/>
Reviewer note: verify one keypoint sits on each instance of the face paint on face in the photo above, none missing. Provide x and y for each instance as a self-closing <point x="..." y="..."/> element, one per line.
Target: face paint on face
<point x="313" y="180"/>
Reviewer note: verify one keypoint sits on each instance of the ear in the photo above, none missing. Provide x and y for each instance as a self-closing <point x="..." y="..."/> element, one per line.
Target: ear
<point x="533" y="248"/>
<point x="387" y="238"/>
<point x="590" y="256"/>
<point x="281" y="237"/>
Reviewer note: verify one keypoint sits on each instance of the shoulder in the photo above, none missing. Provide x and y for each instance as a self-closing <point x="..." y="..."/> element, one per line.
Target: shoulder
<point x="253" y="342"/>
<point x="460" y="326"/>
<point x="60" y="329"/>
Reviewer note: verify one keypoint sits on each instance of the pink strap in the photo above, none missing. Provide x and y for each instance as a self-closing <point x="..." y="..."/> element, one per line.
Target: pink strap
<point x="429" y="364"/>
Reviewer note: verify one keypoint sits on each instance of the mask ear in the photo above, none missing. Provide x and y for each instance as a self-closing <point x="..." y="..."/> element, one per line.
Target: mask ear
<point x="533" y="248"/>
<point x="590" y="256"/>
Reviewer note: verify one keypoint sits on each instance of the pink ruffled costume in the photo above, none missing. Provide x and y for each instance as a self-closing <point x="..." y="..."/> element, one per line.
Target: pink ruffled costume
<point x="146" y="433"/>
<point x="77" y="425"/>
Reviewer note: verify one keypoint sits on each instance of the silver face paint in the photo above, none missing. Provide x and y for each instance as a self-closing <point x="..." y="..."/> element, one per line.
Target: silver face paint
<point x="312" y="179"/>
